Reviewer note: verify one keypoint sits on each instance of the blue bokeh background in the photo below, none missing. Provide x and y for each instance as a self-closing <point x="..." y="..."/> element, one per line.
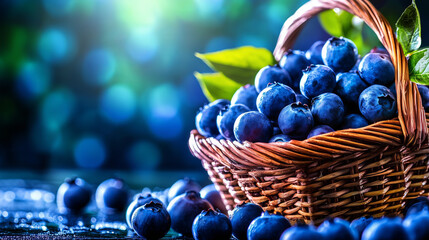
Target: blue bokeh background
<point x="108" y="84"/>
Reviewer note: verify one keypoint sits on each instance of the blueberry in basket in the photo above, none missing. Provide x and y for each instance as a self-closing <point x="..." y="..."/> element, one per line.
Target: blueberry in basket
<point x="340" y="54"/>
<point x="314" y="53"/>
<point x="226" y="119"/>
<point x="73" y="195"/>
<point x="376" y="68"/>
<point x="377" y="103"/>
<point x="253" y="127"/>
<point x="271" y="74"/>
<point x="320" y="129"/>
<point x="349" y="87"/>
<point x="205" y="120"/>
<point x="274" y="98"/>
<point x="296" y="120"/>
<point x="294" y="62"/>
<point x="280" y="138"/>
<point x="317" y="79"/>
<point x="354" y="120"/>
<point x="245" y="95"/>
<point x="328" y="109"/>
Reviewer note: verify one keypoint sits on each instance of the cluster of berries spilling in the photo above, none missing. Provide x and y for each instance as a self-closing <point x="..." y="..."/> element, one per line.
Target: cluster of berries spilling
<point x="327" y="88"/>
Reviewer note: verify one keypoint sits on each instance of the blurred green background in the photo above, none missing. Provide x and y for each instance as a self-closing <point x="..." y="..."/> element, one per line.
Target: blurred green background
<point x="108" y="85"/>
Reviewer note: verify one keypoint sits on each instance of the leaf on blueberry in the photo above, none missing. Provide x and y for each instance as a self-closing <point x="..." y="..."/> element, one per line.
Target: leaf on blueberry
<point x="408" y="29"/>
<point x="216" y="85"/>
<point x="239" y="64"/>
<point x="418" y="63"/>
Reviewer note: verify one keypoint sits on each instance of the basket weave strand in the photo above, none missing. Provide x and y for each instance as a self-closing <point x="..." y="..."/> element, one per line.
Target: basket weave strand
<point x="348" y="173"/>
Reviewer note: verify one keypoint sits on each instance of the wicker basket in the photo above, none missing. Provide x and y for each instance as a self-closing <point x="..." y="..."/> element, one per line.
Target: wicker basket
<point x="348" y="173"/>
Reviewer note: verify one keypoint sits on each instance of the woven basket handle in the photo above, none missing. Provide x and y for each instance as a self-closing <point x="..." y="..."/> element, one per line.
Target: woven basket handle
<point x="410" y="110"/>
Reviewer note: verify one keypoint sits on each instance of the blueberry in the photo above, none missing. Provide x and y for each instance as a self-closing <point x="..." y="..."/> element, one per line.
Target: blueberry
<point x="151" y="221"/>
<point x="424" y="94"/>
<point x="181" y="186"/>
<point x="377" y="103"/>
<point x="211" y="194"/>
<point x="319" y="130"/>
<point x="300" y="98"/>
<point x="327" y="109"/>
<point x="376" y="68"/>
<point x="183" y="210"/>
<point x="140" y="200"/>
<point x="340" y="54"/>
<point x="294" y="62"/>
<point x="245" y="95"/>
<point x="253" y="127"/>
<point x="241" y="218"/>
<point x="417" y="226"/>
<point x="392" y="88"/>
<point x="271" y="74"/>
<point x="280" y="138"/>
<point x="112" y="195"/>
<point x="276" y="130"/>
<point x="205" y="121"/>
<point x="211" y="225"/>
<point x="379" y="50"/>
<point x="314" y="53"/>
<point x="354" y="121"/>
<point x="416" y="205"/>
<point x="73" y="195"/>
<point x="274" y="98"/>
<point x="295" y="120"/>
<point x="337" y="229"/>
<point x="317" y="79"/>
<point x="226" y="119"/>
<point x="301" y="232"/>
<point x="267" y="227"/>
<point x="356" y="66"/>
<point x="360" y="224"/>
<point x="385" y="228"/>
<point x="349" y="87"/>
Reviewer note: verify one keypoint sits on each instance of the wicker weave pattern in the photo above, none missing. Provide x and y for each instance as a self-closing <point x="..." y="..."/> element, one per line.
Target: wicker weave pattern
<point x="348" y="173"/>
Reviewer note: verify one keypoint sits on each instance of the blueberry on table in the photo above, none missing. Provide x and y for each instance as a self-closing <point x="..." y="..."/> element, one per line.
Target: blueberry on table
<point x="317" y="79"/>
<point x="253" y="127"/>
<point x="211" y="194"/>
<point x="340" y="54"/>
<point x="151" y="221"/>
<point x="319" y="130"/>
<point x="377" y="103"/>
<point x="274" y="98"/>
<point x="314" y="53"/>
<point x="417" y="225"/>
<point x="73" y="195"/>
<point x="112" y="195"/>
<point x="328" y="109"/>
<point x="205" y="121"/>
<point x="140" y="200"/>
<point x="269" y="75"/>
<point x="280" y="138"/>
<point x="211" y="225"/>
<point x="376" y="68"/>
<point x="337" y="229"/>
<point x="267" y="227"/>
<point x="301" y="232"/>
<point x="302" y="99"/>
<point x="294" y="62"/>
<point x="385" y="228"/>
<point x="349" y="87"/>
<point x="424" y="94"/>
<point x="181" y="186"/>
<point x="241" y="218"/>
<point x="226" y="119"/>
<point x="360" y="224"/>
<point x="296" y="120"/>
<point x="416" y="205"/>
<point x="245" y="95"/>
<point x="354" y="120"/>
<point x="183" y="210"/>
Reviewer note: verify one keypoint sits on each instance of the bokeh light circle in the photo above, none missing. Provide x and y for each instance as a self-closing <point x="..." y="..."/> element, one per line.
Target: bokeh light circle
<point x="89" y="152"/>
<point x="33" y="80"/>
<point x="57" y="108"/>
<point x="54" y="45"/>
<point x="118" y="104"/>
<point x="99" y="66"/>
<point x="57" y="7"/>
<point x="142" y="44"/>
<point x="144" y="155"/>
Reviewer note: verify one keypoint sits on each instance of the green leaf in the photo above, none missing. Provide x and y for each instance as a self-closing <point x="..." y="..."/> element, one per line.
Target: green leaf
<point x="239" y="64"/>
<point x="216" y="86"/>
<point x="408" y="29"/>
<point x="418" y="64"/>
<point x="331" y="22"/>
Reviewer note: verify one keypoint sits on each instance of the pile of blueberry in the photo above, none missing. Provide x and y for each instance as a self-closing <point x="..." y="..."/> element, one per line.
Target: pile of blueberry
<point x="198" y="212"/>
<point x="327" y="88"/>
